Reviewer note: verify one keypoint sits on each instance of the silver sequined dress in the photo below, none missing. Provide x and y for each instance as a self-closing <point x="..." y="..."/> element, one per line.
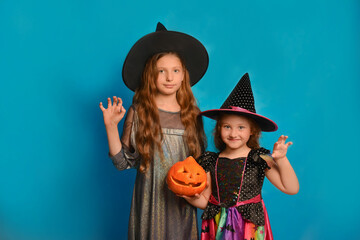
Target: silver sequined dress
<point x="156" y="212"/>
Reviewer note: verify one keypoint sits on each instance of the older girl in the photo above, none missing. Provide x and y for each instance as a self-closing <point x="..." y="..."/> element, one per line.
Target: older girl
<point x="161" y="128"/>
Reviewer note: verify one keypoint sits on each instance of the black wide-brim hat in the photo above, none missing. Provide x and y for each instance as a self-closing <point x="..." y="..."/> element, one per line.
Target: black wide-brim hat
<point x="191" y="51"/>
<point x="241" y="102"/>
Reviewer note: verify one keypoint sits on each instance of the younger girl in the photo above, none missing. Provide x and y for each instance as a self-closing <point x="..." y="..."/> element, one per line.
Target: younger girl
<point x="233" y="205"/>
<point x="161" y="128"/>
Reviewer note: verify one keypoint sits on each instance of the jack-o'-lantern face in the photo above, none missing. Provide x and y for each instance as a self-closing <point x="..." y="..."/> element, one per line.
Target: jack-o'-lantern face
<point x="186" y="177"/>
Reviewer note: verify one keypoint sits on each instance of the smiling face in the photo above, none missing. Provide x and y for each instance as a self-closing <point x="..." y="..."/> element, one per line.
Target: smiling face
<point x="235" y="131"/>
<point x="170" y="75"/>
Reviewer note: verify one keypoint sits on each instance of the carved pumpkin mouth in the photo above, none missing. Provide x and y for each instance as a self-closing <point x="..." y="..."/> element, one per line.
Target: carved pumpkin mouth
<point x="184" y="184"/>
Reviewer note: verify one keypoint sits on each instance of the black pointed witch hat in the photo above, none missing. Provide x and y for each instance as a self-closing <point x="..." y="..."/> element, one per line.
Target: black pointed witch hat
<point x="189" y="48"/>
<point x="241" y="101"/>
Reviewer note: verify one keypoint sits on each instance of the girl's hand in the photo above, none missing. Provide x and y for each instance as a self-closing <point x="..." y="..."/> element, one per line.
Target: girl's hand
<point x="190" y="198"/>
<point x="280" y="147"/>
<point x="197" y="195"/>
<point x="114" y="113"/>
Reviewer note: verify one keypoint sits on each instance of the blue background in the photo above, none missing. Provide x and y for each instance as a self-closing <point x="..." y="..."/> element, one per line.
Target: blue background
<point x="59" y="59"/>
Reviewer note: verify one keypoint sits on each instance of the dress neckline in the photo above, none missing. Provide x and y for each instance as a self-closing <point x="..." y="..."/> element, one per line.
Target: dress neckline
<point x="162" y="110"/>
<point x="237" y="158"/>
<point x="249" y="154"/>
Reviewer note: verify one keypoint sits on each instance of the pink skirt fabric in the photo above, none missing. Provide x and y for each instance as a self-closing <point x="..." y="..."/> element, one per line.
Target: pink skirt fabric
<point x="229" y="224"/>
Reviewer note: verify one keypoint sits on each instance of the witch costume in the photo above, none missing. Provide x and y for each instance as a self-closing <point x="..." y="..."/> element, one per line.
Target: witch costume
<point x="235" y="209"/>
<point x="156" y="212"/>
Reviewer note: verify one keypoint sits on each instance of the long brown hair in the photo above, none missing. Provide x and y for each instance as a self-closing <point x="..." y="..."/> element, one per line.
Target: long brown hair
<point x="253" y="142"/>
<point x="148" y="136"/>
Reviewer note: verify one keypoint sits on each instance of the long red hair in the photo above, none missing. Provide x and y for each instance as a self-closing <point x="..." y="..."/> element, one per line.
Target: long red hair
<point x="148" y="136"/>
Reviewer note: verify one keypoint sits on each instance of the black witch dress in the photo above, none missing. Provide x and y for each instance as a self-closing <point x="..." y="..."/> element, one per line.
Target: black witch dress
<point x="235" y="209"/>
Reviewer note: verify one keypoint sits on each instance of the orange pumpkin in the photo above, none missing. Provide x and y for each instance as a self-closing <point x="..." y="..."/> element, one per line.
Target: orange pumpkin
<point x="186" y="177"/>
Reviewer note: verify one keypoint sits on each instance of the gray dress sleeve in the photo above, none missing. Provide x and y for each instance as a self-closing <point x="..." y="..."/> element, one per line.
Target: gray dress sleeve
<point x="128" y="157"/>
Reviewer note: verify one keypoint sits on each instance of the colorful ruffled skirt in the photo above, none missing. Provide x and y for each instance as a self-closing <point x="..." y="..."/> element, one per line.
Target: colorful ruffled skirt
<point x="229" y="224"/>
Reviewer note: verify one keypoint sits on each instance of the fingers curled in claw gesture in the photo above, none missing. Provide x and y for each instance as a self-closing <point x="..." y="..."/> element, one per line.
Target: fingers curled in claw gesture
<point x="280" y="147"/>
<point x="114" y="112"/>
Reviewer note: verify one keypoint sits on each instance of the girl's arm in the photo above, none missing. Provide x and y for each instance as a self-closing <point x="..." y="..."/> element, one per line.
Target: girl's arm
<point x="201" y="200"/>
<point x="281" y="174"/>
<point x="112" y="116"/>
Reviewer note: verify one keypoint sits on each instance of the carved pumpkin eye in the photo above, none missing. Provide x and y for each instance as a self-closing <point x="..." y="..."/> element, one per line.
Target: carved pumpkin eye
<point x="186" y="177"/>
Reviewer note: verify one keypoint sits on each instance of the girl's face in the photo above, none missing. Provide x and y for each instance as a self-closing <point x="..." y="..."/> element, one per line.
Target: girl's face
<point x="235" y="131"/>
<point x="170" y="75"/>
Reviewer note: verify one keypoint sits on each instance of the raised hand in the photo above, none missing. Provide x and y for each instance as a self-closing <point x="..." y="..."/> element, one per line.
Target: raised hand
<point x="281" y="174"/>
<point x="280" y="147"/>
<point x="114" y="112"/>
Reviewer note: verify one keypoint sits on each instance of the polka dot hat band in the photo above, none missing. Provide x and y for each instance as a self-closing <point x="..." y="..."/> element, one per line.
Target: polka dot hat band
<point x="241" y="102"/>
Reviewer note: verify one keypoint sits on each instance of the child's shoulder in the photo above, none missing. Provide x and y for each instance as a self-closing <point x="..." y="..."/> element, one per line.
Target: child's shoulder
<point x="132" y="107"/>
<point x="208" y="156"/>
<point x="259" y="151"/>
<point x="262" y="156"/>
<point x="130" y="114"/>
<point x="207" y="160"/>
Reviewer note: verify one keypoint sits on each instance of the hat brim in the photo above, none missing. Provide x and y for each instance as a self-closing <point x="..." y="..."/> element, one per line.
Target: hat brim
<point x="190" y="49"/>
<point x="265" y="124"/>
